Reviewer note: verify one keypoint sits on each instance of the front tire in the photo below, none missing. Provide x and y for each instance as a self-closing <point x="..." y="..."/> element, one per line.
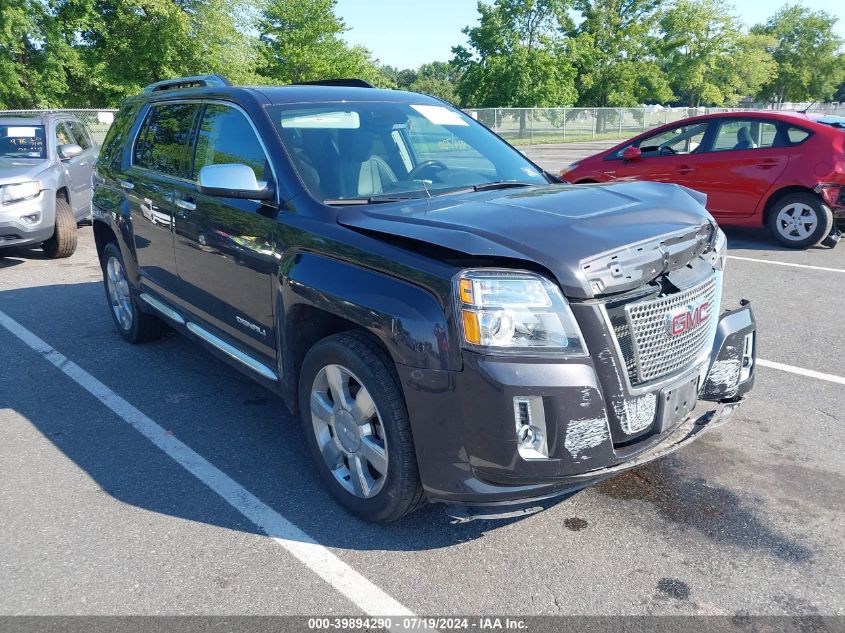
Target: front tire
<point x="63" y="242"/>
<point x="132" y="324"/>
<point x="800" y="220"/>
<point x="357" y="428"/>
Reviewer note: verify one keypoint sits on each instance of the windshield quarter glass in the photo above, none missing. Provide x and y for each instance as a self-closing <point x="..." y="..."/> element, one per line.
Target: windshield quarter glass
<point x="361" y="150"/>
<point x="22" y="141"/>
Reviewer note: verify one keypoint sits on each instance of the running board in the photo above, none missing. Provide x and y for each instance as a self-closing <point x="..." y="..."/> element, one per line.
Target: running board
<point x="233" y="352"/>
<point x="158" y="305"/>
<point x="211" y="339"/>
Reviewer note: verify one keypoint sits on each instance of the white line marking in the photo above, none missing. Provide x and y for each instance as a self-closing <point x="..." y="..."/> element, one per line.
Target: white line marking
<point x="363" y="593"/>
<point x="839" y="380"/>
<point x="776" y="263"/>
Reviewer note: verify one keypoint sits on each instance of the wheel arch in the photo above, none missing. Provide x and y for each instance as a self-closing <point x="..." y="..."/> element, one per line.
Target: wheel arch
<point x="773" y="199"/>
<point x="103" y="234"/>
<point x="320" y="296"/>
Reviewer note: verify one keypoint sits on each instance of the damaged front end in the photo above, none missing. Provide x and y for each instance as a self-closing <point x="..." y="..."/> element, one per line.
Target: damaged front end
<point x="665" y="364"/>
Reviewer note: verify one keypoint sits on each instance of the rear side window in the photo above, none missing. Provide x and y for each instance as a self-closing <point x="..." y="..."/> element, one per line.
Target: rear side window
<point x="80" y="134"/>
<point x="226" y="136"/>
<point x="797" y="135"/>
<point x="162" y="141"/>
<point x="741" y="134"/>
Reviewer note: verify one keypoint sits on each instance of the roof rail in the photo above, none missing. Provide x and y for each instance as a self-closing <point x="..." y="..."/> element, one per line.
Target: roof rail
<point x="195" y="81"/>
<point x="349" y="83"/>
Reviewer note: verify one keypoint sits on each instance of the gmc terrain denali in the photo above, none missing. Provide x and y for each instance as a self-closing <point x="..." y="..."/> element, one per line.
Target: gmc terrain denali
<point x="451" y="323"/>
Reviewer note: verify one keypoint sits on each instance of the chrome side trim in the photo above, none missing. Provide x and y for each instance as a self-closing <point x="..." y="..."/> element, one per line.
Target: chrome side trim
<point x="158" y="305"/>
<point x="233" y="352"/>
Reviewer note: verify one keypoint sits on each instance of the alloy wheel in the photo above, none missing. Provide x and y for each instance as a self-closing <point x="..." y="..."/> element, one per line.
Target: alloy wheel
<point x="797" y="221"/>
<point x="349" y="431"/>
<point x="119" y="297"/>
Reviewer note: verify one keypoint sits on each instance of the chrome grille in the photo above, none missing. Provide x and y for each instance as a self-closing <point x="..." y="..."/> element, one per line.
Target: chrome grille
<point x="649" y="351"/>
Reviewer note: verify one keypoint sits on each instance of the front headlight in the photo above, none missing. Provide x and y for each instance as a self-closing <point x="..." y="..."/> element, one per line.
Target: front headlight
<point x="719" y="251"/>
<point x="20" y="191"/>
<point x="505" y="311"/>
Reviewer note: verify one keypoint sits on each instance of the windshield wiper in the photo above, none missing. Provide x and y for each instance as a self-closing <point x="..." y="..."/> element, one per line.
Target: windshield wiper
<point x="500" y="184"/>
<point x="370" y="200"/>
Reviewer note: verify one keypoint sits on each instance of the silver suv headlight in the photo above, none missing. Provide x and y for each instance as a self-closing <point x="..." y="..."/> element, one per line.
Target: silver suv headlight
<point x="19" y="191"/>
<point x="719" y="251"/>
<point x="503" y="311"/>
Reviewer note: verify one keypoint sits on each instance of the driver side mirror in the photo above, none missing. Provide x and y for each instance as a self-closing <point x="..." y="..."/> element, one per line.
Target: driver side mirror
<point x="70" y="150"/>
<point x="632" y="153"/>
<point x="233" y="180"/>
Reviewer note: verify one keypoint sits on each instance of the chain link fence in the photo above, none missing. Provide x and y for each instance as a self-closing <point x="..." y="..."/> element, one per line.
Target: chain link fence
<point x="520" y="126"/>
<point x="528" y="126"/>
<point x="96" y="120"/>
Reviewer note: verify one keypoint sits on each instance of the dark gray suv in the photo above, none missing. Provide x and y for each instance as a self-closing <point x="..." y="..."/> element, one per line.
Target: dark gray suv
<point x="46" y="164"/>
<point x="451" y="323"/>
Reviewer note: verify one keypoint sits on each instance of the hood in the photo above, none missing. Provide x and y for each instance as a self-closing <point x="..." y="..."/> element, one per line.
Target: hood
<point x="14" y="170"/>
<point x="596" y="239"/>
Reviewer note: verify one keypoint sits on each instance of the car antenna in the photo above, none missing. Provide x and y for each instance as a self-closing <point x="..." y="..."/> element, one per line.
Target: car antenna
<point x="804" y="111"/>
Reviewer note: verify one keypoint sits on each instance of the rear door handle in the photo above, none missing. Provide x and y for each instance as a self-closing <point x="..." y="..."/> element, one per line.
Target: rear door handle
<point x="685" y="169"/>
<point x="185" y="204"/>
<point x="768" y="163"/>
<point x="126" y="185"/>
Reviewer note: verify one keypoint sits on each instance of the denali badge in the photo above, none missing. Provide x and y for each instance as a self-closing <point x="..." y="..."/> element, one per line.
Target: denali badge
<point x="687" y="318"/>
<point x="252" y="326"/>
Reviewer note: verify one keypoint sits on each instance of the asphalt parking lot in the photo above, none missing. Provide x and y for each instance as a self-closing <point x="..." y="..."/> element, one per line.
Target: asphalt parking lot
<point x="95" y="518"/>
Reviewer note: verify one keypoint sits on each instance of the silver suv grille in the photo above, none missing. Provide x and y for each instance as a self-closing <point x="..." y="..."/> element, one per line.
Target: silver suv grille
<point x="644" y="337"/>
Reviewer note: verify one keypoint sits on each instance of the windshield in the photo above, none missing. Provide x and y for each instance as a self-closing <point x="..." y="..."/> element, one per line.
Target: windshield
<point x="22" y="141"/>
<point x="371" y="150"/>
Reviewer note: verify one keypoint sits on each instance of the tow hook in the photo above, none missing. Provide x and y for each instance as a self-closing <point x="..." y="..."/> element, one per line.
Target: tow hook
<point x="833" y="239"/>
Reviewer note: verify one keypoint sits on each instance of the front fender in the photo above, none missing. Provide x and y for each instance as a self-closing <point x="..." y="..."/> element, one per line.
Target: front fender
<point x="409" y="321"/>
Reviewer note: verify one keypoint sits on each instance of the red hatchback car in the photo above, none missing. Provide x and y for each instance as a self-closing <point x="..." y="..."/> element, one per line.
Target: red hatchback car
<point x="782" y="170"/>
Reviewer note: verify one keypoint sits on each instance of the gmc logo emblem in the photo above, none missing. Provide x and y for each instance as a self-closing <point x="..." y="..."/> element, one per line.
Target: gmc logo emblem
<point x="687" y="318"/>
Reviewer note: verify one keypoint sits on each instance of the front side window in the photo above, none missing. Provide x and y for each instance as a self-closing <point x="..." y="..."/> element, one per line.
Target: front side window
<point x="741" y="134"/>
<point x="63" y="135"/>
<point x="162" y="141"/>
<point x="684" y="139"/>
<point x="80" y="134"/>
<point x="226" y="136"/>
<point x="22" y="141"/>
<point x="361" y="150"/>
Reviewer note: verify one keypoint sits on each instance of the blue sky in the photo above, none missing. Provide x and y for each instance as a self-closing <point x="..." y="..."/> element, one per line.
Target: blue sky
<point x="407" y="33"/>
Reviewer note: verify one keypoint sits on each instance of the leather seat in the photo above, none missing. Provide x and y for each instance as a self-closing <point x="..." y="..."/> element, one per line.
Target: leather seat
<point x="362" y="172"/>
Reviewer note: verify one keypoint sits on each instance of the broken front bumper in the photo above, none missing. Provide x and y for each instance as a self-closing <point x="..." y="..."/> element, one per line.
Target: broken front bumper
<point x="465" y="431"/>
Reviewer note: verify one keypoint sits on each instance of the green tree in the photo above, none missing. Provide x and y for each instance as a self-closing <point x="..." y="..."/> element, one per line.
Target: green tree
<point x="28" y="73"/>
<point x="808" y="54"/>
<point x="514" y="57"/>
<point x="439" y="79"/>
<point x="613" y="48"/>
<point x="301" y="41"/>
<point x="707" y="57"/>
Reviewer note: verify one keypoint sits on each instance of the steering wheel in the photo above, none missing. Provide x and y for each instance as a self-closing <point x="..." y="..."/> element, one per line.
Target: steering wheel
<point x="417" y="171"/>
<point x="665" y="150"/>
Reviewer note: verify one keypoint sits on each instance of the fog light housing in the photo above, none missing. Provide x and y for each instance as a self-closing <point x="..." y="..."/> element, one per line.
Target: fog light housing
<point x="747" y="357"/>
<point x="31" y="218"/>
<point x="530" y="418"/>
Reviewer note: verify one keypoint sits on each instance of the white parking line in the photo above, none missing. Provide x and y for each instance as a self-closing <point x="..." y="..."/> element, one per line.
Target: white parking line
<point x="363" y="593"/>
<point x="839" y="380"/>
<point x="777" y="263"/>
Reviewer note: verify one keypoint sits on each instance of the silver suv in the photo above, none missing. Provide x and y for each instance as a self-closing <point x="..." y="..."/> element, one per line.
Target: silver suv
<point x="46" y="164"/>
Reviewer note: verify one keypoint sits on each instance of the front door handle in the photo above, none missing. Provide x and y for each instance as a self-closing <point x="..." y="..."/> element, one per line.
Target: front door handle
<point x="126" y="185"/>
<point x="685" y="169"/>
<point x="185" y="204"/>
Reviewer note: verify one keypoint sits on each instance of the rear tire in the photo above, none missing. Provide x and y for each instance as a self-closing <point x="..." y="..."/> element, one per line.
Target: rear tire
<point x="63" y="242"/>
<point x="800" y="220"/>
<point x="357" y="428"/>
<point x="132" y="324"/>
